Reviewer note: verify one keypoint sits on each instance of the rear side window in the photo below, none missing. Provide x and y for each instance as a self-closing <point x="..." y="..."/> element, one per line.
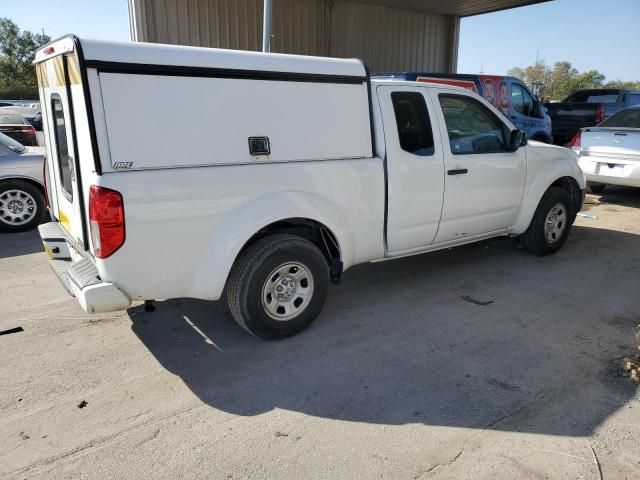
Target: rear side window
<point x="60" y="132"/>
<point x="471" y="127"/>
<point x="634" y="99"/>
<point x="414" y="125"/>
<point x="628" y="118"/>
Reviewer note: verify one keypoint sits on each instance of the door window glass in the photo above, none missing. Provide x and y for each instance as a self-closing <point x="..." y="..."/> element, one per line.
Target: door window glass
<point x="414" y="125"/>
<point x="471" y="127"/>
<point x="60" y="132"/>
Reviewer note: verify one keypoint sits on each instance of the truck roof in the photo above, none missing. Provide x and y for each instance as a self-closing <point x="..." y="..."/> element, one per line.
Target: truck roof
<point x="182" y="56"/>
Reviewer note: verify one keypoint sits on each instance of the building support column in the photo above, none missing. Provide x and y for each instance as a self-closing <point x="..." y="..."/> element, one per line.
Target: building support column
<point x="267" y="27"/>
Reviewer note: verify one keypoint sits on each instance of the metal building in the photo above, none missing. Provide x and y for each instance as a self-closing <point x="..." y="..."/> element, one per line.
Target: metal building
<point x="389" y="35"/>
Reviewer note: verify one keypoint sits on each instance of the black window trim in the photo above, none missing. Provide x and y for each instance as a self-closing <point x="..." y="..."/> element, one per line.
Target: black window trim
<point x="506" y="131"/>
<point x="52" y="98"/>
<point x="429" y="122"/>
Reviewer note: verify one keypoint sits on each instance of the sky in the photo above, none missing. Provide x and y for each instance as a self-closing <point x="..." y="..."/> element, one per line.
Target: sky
<point x="591" y="34"/>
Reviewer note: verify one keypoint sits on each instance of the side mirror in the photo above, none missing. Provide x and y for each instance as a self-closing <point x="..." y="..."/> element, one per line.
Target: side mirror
<point x="518" y="139"/>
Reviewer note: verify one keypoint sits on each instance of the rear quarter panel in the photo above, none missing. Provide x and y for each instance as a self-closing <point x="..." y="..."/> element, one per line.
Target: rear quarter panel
<point x="185" y="226"/>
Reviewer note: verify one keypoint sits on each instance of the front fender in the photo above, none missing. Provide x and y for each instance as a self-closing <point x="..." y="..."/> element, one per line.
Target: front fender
<point x="243" y="223"/>
<point x="545" y="165"/>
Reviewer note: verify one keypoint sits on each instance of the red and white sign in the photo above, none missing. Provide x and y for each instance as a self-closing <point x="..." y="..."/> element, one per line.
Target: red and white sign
<point x="468" y="84"/>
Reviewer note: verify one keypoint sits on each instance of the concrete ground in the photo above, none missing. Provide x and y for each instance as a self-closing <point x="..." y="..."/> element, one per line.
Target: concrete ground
<point x="399" y="378"/>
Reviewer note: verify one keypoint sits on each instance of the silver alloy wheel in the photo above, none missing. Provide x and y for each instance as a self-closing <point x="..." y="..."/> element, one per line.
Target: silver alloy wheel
<point x="17" y="207"/>
<point x="555" y="223"/>
<point x="287" y="291"/>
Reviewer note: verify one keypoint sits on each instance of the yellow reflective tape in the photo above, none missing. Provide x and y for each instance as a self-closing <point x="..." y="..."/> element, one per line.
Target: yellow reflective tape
<point x="43" y="80"/>
<point x="57" y="66"/>
<point x="64" y="221"/>
<point x="45" y="74"/>
<point x="74" y="71"/>
<point x="62" y="81"/>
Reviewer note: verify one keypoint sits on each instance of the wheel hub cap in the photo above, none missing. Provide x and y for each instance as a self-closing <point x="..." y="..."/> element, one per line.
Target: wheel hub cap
<point x="555" y="223"/>
<point x="285" y="288"/>
<point x="17" y="207"/>
<point x="287" y="291"/>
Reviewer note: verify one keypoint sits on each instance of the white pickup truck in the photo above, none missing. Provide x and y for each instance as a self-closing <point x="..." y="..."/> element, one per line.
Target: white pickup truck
<point x="190" y="172"/>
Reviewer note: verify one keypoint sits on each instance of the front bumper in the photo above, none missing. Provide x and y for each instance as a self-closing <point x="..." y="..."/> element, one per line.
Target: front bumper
<point x="78" y="273"/>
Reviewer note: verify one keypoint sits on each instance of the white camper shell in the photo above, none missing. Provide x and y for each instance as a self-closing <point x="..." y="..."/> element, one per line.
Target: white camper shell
<point x="182" y="172"/>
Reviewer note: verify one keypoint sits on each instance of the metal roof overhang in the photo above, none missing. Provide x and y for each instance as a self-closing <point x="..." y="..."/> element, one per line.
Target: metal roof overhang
<point x="461" y="8"/>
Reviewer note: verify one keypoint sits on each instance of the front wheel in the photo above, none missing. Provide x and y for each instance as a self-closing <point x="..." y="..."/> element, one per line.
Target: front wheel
<point x="551" y="223"/>
<point x="278" y="286"/>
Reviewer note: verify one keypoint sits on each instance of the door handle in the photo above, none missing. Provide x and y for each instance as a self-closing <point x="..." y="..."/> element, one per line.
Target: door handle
<point x="459" y="171"/>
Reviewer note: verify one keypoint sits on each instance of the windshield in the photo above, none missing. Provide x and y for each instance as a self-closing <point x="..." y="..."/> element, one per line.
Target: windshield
<point x="11" y="119"/>
<point x="627" y="118"/>
<point x="11" y="143"/>
<point x="593" y="96"/>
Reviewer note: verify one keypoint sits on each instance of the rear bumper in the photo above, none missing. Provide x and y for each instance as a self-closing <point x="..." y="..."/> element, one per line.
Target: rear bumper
<point x="610" y="171"/>
<point x="78" y="273"/>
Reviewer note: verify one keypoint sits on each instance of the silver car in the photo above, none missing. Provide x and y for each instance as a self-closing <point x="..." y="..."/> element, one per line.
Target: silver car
<point x="609" y="153"/>
<point x="22" y="197"/>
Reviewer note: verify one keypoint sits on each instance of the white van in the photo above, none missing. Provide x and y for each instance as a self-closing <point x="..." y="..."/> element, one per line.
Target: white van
<point x="292" y="170"/>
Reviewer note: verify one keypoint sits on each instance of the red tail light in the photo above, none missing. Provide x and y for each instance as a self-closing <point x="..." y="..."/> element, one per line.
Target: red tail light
<point x="599" y="114"/>
<point x="29" y="130"/>
<point x="44" y="181"/>
<point x="575" y="142"/>
<point x="106" y="220"/>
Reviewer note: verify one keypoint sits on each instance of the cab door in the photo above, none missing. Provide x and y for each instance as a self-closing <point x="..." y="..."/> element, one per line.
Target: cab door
<point x="56" y="76"/>
<point x="484" y="180"/>
<point x="414" y="166"/>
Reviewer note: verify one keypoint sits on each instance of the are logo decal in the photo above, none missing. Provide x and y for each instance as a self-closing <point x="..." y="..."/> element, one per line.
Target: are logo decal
<point x="123" y="165"/>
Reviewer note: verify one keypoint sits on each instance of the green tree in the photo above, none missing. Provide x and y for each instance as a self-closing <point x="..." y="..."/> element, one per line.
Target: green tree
<point x="590" y="79"/>
<point x="558" y="82"/>
<point x="622" y="84"/>
<point x="516" y="72"/>
<point x="17" y="50"/>
<point x="562" y="80"/>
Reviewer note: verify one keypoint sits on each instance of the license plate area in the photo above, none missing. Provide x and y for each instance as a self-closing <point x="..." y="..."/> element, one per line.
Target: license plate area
<point x="610" y="169"/>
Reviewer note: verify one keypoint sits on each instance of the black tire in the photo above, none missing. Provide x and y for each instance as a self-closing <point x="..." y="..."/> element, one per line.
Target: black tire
<point x="29" y="199"/>
<point x="595" y="187"/>
<point x="535" y="240"/>
<point x="249" y="279"/>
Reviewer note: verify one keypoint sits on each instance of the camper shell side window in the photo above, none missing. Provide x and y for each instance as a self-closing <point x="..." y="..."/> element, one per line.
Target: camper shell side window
<point x="62" y="149"/>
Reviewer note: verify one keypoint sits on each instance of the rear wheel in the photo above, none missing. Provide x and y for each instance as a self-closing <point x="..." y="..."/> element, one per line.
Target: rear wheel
<point x="21" y="206"/>
<point x="551" y="223"/>
<point x="278" y="286"/>
<point x="595" y="187"/>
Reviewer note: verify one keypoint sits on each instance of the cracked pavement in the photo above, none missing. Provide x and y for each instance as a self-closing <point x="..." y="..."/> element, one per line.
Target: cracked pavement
<point x="399" y="378"/>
